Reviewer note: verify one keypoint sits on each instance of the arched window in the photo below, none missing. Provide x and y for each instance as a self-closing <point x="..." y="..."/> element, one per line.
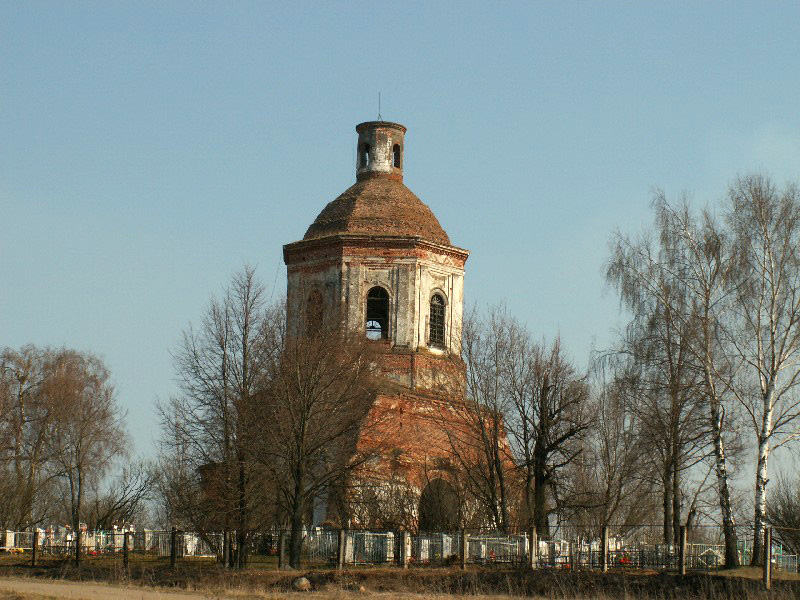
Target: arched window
<point x="364" y="155"/>
<point x="439" y="507"/>
<point x="314" y="312"/>
<point x="436" y="323"/>
<point x="378" y="314"/>
<point x="396" y="156"/>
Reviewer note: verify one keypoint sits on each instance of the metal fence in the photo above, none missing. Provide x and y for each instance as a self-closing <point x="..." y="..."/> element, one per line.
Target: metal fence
<point x="636" y="548"/>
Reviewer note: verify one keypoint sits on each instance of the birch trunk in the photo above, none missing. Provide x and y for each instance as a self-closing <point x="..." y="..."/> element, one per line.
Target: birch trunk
<point x="759" y="518"/>
<point x="720" y="459"/>
<point x="721" y="468"/>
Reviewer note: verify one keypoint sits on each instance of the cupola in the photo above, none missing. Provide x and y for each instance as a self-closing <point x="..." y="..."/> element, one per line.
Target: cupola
<point x="380" y="150"/>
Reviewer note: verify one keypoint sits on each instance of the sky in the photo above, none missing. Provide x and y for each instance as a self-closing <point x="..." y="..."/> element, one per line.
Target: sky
<point x="149" y="150"/>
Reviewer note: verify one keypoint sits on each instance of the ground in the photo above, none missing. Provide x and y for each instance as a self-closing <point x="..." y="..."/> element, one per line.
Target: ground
<point x="152" y="579"/>
<point x="29" y="589"/>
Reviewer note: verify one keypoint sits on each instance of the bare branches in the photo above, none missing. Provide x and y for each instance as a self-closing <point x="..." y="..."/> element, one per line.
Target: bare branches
<point x="62" y="425"/>
<point x="525" y="412"/>
<point x="265" y="424"/>
<point x="765" y="329"/>
<point x="680" y="290"/>
<point x="221" y="368"/>
<point x="124" y="499"/>
<point x="307" y="420"/>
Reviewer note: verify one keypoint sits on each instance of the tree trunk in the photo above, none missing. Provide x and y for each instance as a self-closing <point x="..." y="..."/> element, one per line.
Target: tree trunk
<point x="676" y="502"/>
<point x="296" y="519"/>
<point x="241" y="534"/>
<point x="529" y="502"/>
<point x="76" y="517"/>
<point x="666" y="478"/>
<point x="759" y="518"/>
<point x="539" y="511"/>
<point x="296" y="535"/>
<point x="721" y="468"/>
<point x="501" y="480"/>
<point x="720" y="460"/>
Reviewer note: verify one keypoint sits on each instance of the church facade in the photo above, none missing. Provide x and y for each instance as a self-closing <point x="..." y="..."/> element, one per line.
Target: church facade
<point x="377" y="261"/>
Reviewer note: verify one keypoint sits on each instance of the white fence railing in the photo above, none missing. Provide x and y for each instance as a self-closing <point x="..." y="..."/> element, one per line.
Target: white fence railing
<point x="321" y="546"/>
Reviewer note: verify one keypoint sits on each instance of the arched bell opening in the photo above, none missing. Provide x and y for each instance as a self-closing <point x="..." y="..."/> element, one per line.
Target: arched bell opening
<point x="377" y="318"/>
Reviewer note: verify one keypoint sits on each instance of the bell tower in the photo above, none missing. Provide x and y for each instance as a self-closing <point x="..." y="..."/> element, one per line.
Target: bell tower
<point x="377" y="262"/>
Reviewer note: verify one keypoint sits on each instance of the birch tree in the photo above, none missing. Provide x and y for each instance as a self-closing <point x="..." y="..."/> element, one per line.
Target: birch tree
<point x="765" y="223"/>
<point x="649" y="276"/>
<point x="707" y="276"/>
<point x="695" y="256"/>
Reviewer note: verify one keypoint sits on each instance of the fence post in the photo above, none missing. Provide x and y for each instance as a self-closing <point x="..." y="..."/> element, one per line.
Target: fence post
<point x="227" y="554"/>
<point x="172" y="535"/>
<point x="35" y="543"/>
<point x="78" y="546"/>
<point x="281" y="549"/>
<point x="604" y="549"/>
<point x="767" y="558"/>
<point x="521" y="551"/>
<point x="682" y="551"/>
<point x="533" y="551"/>
<point x="125" y="550"/>
<point x="341" y="553"/>
<point x="406" y="549"/>
<point x="464" y="555"/>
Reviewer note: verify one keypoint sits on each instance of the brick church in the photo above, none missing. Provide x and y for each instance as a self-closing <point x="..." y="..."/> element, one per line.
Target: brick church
<point x="377" y="257"/>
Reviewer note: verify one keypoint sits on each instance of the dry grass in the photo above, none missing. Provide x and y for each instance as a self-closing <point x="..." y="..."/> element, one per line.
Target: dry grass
<point x="204" y="579"/>
<point x="756" y="573"/>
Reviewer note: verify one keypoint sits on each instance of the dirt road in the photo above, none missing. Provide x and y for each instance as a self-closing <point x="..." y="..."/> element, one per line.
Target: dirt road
<point x="74" y="590"/>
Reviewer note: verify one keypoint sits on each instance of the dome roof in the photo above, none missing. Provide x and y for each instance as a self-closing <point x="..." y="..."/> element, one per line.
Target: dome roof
<point x="378" y="206"/>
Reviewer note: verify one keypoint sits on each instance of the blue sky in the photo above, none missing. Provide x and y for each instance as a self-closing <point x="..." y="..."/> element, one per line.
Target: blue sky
<point x="148" y="150"/>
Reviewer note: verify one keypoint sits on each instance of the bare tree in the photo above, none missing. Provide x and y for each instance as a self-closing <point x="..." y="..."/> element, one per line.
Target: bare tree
<point x="27" y="420"/>
<point x="707" y="276"/>
<point x="659" y="341"/>
<point x="765" y="223"/>
<point x="783" y="513"/>
<point x="524" y="415"/>
<point x="548" y="415"/>
<point x="609" y="483"/>
<point x="90" y="433"/>
<point x="124" y="497"/>
<point x="694" y="259"/>
<point x="221" y="367"/>
<point x="474" y="425"/>
<point x="307" y="420"/>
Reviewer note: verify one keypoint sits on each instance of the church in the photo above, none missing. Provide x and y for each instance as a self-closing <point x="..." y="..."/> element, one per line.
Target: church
<point x="377" y="259"/>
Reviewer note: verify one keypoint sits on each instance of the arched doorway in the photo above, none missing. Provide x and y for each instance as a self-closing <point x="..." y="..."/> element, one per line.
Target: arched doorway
<point x="439" y="507"/>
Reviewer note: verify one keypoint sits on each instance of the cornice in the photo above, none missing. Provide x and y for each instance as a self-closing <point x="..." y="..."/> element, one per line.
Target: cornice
<point x="295" y="251"/>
